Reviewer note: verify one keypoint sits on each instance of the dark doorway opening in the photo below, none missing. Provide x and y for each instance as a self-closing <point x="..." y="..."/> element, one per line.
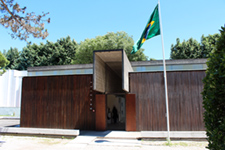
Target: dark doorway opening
<point x="116" y="111"/>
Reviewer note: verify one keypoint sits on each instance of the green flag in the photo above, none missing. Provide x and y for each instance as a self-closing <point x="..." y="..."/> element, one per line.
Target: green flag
<point x="151" y="29"/>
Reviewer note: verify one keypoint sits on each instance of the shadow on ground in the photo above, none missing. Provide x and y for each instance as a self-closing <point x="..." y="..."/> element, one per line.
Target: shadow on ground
<point x="94" y="133"/>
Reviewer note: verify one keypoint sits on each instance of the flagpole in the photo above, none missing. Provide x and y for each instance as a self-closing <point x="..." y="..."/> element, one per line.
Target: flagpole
<point x="165" y="77"/>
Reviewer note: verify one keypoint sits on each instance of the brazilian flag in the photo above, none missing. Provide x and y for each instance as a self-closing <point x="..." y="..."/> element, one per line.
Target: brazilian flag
<point x="152" y="29"/>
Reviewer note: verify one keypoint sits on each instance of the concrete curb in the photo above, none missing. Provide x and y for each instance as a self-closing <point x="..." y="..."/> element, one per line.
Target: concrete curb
<point x="174" y="134"/>
<point x="13" y="118"/>
<point x="39" y="131"/>
<point x="105" y="134"/>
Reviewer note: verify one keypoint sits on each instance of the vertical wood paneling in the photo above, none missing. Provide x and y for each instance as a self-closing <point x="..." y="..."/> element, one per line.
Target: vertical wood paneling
<point x="57" y="102"/>
<point x="130" y="112"/>
<point x="185" y="100"/>
<point x="150" y="103"/>
<point x="100" y="112"/>
<point x="64" y="101"/>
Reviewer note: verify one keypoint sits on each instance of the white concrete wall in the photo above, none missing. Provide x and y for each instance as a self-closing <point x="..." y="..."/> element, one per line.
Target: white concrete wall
<point x="10" y="88"/>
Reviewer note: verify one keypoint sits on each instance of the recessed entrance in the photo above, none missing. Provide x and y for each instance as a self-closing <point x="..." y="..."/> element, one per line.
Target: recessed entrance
<point x="126" y="110"/>
<point x="111" y="75"/>
<point x="116" y="112"/>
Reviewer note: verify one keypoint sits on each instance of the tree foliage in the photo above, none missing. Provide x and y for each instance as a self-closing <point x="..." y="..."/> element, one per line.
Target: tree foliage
<point x="213" y="96"/>
<point x="61" y="52"/>
<point x="208" y="44"/>
<point x="185" y="50"/>
<point x="3" y="63"/>
<point x="110" y="41"/>
<point x="22" y="23"/>
<point x="12" y="55"/>
<point x="192" y="49"/>
<point x="66" y="51"/>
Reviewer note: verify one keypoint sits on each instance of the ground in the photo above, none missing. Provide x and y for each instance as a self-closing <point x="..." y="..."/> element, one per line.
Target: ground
<point x="93" y="143"/>
<point x="90" y="141"/>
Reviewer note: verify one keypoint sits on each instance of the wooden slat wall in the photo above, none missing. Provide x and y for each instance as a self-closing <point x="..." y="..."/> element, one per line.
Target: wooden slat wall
<point x="100" y="123"/>
<point x="130" y="112"/>
<point x="185" y="100"/>
<point x="150" y="103"/>
<point x="58" y="102"/>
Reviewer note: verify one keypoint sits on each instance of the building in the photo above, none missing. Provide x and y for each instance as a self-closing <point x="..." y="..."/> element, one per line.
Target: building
<point x="84" y="96"/>
<point x="10" y="91"/>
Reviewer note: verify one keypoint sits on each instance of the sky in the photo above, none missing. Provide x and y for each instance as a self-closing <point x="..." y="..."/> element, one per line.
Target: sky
<point x="87" y="19"/>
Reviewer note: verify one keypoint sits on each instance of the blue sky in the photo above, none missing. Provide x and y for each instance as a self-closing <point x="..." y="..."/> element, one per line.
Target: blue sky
<point x="88" y="19"/>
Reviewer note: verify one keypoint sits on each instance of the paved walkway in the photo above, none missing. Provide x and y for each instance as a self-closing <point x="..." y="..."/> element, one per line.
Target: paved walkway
<point x="112" y="134"/>
<point x="93" y="143"/>
<point x="91" y="140"/>
<point x="7" y="122"/>
<point x="7" y="126"/>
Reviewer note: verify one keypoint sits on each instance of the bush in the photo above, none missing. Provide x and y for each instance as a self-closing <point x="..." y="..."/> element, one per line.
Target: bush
<point x="3" y="62"/>
<point x="214" y="96"/>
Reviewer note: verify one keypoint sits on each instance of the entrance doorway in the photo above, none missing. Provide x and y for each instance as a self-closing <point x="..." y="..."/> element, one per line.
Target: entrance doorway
<point x="116" y="112"/>
<point x="126" y="109"/>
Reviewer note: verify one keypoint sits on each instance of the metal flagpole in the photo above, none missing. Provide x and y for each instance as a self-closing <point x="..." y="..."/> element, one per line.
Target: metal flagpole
<point x="165" y="78"/>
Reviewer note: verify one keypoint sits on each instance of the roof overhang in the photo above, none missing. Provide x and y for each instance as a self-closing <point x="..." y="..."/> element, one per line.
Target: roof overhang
<point x="109" y="66"/>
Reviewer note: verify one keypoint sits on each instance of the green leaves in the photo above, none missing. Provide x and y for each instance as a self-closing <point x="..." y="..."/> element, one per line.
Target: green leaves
<point x="191" y="49"/>
<point x="214" y="94"/>
<point x="61" y="52"/>
<point x="66" y="51"/>
<point x="3" y="63"/>
<point x="12" y="55"/>
<point x="185" y="50"/>
<point x="110" y="41"/>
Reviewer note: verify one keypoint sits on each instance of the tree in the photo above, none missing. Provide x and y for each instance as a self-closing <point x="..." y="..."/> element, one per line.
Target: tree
<point x="12" y="55"/>
<point x="22" y="23"/>
<point x="152" y="59"/>
<point x="3" y="63"/>
<point x="185" y="50"/>
<point x="61" y="52"/>
<point x="213" y="96"/>
<point x="110" y="41"/>
<point x="208" y="44"/>
<point x="192" y="49"/>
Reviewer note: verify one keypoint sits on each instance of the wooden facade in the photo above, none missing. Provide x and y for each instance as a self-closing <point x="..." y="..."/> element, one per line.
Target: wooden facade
<point x="100" y="112"/>
<point x="185" y="100"/>
<point x="68" y="102"/>
<point x="64" y="102"/>
<point x="130" y="112"/>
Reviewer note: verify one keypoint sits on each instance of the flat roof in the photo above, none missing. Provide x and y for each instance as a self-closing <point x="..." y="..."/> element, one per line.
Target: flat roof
<point x="138" y="66"/>
<point x="169" y="62"/>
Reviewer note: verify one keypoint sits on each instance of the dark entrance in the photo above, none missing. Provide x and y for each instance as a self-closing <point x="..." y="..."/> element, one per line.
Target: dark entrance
<point x="126" y="105"/>
<point x="116" y="111"/>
